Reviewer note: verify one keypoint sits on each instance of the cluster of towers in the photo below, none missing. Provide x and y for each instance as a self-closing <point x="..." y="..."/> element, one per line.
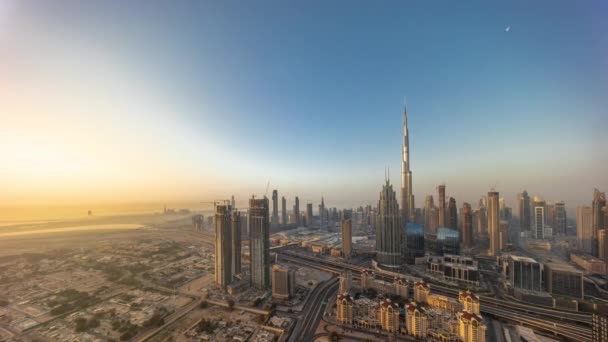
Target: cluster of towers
<point x="592" y="225"/>
<point x="228" y="243"/>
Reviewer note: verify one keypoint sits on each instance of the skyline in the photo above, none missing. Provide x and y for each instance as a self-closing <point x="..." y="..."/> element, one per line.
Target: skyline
<point x="234" y="102"/>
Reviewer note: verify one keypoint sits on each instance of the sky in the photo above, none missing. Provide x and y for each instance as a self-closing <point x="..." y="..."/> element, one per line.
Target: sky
<point x="104" y="101"/>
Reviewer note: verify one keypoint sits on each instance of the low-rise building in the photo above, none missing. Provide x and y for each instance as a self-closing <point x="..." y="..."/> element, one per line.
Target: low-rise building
<point x="471" y="327"/>
<point x="416" y="320"/>
<point x="344" y="309"/>
<point x="389" y="315"/>
<point x="564" y="280"/>
<point x="590" y="264"/>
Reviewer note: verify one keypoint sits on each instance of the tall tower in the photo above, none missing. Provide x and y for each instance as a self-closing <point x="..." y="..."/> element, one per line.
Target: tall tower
<point x="466" y="234"/>
<point x="275" y="210"/>
<point x="441" y="190"/>
<point x="347" y="236"/>
<point x="452" y="214"/>
<point x="407" y="198"/>
<point x="283" y="210"/>
<point x="493" y="222"/>
<point x="259" y="244"/>
<point x="309" y="217"/>
<point x="236" y="242"/>
<point x="389" y="228"/>
<point x="223" y="246"/>
<point x="322" y="212"/>
<point x="296" y="212"/>
<point x="525" y="217"/>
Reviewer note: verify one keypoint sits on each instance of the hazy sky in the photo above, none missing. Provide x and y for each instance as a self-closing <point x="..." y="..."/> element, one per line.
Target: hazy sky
<point x="109" y="101"/>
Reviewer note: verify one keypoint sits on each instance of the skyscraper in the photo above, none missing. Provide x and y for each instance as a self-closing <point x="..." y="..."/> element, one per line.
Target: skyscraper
<point x="322" y="213"/>
<point x="524" y="211"/>
<point x="407" y="198"/>
<point x="223" y="246"/>
<point x="428" y="213"/>
<point x="283" y="282"/>
<point x="561" y="219"/>
<point x="597" y="217"/>
<point x="283" y="210"/>
<point x="467" y="225"/>
<point x="309" y="214"/>
<point x="493" y="223"/>
<point x="296" y="212"/>
<point x="452" y="214"/>
<point x="236" y="242"/>
<point x="584" y="229"/>
<point x="347" y="236"/>
<point x="389" y="228"/>
<point x="539" y="208"/>
<point x="441" y="190"/>
<point x="259" y="245"/>
<point x="275" y="210"/>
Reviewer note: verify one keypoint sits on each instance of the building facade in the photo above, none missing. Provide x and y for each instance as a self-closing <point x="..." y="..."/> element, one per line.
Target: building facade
<point x="407" y="196"/>
<point x="347" y="237"/>
<point x="584" y="230"/>
<point x="467" y="226"/>
<point x="235" y="226"/>
<point x="493" y="222"/>
<point x="389" y="229"/>
<point x="223" y="246"/>
<point x="283" y="282"/>
<point x="259" y="244"/>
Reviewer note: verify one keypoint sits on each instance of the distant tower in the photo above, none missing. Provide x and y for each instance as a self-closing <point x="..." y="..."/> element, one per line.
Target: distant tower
<point x="467" y="225"/>
<point x="429" y="224"/>
<point x="540" y="217"/>
<point x="232" y="202"/>
<point x="236" y="242"/>
<point x="584" y="229"/>
<point x="524" y="211"/>
<point x="275" y="210"/>
<point x="283" y="210"/>
<point x="296" y="212"/>
<point x="441" y="190"/>
<point x="452" y="214"/>
<point x="493" y="223"/>
<point x="309" y="216"/>
<point x="597" y="215"/>
<point x="259" y="244"/>
<point x="347" y="237"/>
<point x="223" y="246"/>
<point x="389" y="228"/>
<point x="322" y="212"/>
<point x="407" y="198"/>
<point x="561" y="219"/>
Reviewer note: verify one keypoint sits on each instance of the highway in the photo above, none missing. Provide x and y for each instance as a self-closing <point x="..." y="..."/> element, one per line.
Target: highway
<point x="574" y="326"/>
<point x="314" y="309"/>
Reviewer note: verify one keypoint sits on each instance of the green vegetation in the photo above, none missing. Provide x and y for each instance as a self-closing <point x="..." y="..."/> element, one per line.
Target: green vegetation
<point x="126" y="329"/>
<point x="230" y="304"/>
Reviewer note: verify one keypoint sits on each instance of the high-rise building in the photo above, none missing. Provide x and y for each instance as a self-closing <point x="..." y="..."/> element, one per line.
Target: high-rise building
<point x="452" y="214"/>
<point x="259" y="244"/>
<point x="284" y="211"/>
<point x="235" y="226"/>
<point x="525" y="218"/>
<point x="597" y="216"/>
<point x="275" y="210"/>
<point x="503" y="234"/>
<point x="322" y="219"/>
<point x="232" y="202"/>
<point x="223" y="246"/>
<point x="441" y="190"/>
<point x="296" y="211"/>
<point x="283" y="282"/>
<point x="309" y="216"/>
<point x="584" y="230"/>
<point x="389" y="228"/>
<point x="561" y="219"/>
<point x="493" y="222"/>
<point x="347" y="237"/>
<point x="428" y="211"/>
<point x="539" y="209"/>
<point x="407" y="197"/>
<point x="467" y="225"/>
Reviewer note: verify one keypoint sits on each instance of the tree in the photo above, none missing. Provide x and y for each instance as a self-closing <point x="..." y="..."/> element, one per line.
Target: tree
<point x="230" y="304"/>
<point x="333" y="336"/>
<point x="204" y="304"/>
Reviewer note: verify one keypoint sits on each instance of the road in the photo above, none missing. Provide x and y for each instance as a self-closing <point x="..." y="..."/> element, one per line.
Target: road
<point x="307" y="324"/>
<point x="575" y="326"/>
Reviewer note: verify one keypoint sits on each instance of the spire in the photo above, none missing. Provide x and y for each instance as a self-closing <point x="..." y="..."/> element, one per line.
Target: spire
<point x="404" y="116"/>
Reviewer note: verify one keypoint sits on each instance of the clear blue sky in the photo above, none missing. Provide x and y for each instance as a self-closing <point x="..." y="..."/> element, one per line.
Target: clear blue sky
<point x="310" y="94"/>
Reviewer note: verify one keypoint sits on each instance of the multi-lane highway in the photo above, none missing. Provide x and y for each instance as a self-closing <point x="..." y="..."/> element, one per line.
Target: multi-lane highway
<point x="307" y="324"/>
<point x="574" y="326"/>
